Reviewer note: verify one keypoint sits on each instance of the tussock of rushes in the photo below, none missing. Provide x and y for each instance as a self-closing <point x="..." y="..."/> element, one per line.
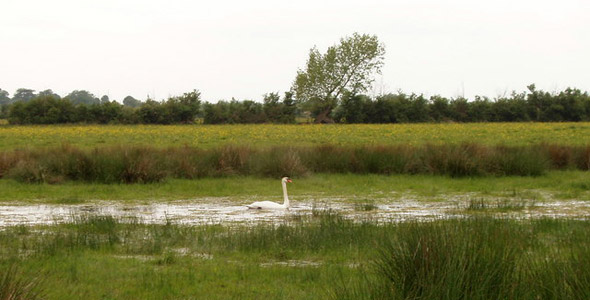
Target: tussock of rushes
<point x="479" y="258"/>
<point x="14" y="286"/>
<point x="107" y="165"/>
<point x="142" y="164"/>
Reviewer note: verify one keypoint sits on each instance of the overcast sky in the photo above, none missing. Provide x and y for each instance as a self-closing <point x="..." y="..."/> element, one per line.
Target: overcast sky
<point x="244" y="49"/>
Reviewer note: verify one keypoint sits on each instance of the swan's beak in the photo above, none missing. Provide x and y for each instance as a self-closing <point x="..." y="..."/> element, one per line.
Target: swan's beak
<point x="289" y="180"/>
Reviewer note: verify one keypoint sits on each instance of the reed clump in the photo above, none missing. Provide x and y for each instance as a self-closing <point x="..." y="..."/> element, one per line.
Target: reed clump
<point x="145" y="164"/>
<point x="15" y="286"/>
<point x="104" y="165"/>
<point x="478" y="258"/>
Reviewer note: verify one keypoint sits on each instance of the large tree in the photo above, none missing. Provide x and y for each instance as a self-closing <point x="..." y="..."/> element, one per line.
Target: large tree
<point x="49" y="92"/>
<point x="347" y="67"/>
<point x="82" y="97"/>
<point x="24" y="95"/>
<point x="131" y="102"/>
<point x="4" y="97"/>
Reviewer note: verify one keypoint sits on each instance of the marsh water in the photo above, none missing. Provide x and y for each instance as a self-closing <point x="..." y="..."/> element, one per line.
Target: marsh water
<point x="225" y="210"/>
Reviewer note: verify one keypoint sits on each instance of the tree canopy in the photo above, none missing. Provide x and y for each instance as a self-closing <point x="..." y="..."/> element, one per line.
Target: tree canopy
<point x="345" y="68"/>
<point x="4" y="97"/>
<point x="82" y="97"/>
<point x="23" y="95"/>
<point x="131" y="102"/>
<point x="48" y="92"/>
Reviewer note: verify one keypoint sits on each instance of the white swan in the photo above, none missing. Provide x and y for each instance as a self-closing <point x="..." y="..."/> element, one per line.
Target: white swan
<point x="273" y="205"/>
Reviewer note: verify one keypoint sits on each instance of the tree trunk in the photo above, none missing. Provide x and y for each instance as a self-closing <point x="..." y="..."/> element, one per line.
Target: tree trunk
<point x="324" y="117"/>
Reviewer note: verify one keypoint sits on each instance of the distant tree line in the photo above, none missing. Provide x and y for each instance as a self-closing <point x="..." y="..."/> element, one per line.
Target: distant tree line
<point x="569" y="105"/>
<point x="28" y="107"/>
<point x="46" y="107"/>
<point x="83" y="107"/>
<point x="273" y="110"/>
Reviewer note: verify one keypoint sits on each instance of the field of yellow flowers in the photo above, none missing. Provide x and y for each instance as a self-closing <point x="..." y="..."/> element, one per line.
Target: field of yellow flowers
<point x="209" y="136"/>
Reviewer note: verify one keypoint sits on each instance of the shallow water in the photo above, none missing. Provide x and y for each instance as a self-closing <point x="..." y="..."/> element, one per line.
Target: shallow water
<point x="222" y="210"/>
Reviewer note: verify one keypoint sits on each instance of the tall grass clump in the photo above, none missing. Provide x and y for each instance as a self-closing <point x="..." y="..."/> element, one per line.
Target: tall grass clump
<point x="83" y="232"/>
<point x="562" y="276"/>
<point x="232" y="160"/>
<point x="455" y="160"/>
<point x="520" y="161"/>
<point x="479" y="258"/>
<point x="104" y="165"/>
<point x="278" y="162"/>
<point x="384" y="160"/>
<point x="15" y="286"/>
<point x="329" y="159"/>
<point x="9" y="159"/>
<point x="187" y="162"/>
<point x="582" y="158"/>
<point x="451" y="259"/>
<point x="560" y="266"/>
<point x="563" y="157"/>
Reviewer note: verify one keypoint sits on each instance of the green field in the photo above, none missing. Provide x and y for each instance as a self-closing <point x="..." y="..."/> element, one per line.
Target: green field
<point x="208" y="136"/>
<point x="319" y="257"/>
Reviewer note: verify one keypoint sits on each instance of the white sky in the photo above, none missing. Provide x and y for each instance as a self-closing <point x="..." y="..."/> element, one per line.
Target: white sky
<point x="244" y="49"/>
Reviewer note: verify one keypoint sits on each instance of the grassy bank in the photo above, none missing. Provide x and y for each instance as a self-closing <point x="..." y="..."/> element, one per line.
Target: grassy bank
<point x="320" y="257"/>
<point x="131" y="164"/>
<point x="212" y="136"/>
<point x="558" y="184"/>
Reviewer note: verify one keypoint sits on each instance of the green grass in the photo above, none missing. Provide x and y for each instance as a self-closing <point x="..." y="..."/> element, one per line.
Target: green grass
<point x="14" y="286"/>
<point x="97" y="257"/>
<point x="322" y="256"/>
<point x="480" y="258"/>
<point x="503" y="205"/>
<point x="559" y="184"/>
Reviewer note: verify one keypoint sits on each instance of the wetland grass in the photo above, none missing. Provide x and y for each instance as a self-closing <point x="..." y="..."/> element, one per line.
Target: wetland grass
<point x="315" y="257"/>
<point x="142" y="164"/>
<point x="15" y="286"/>
<point x="479" y="258"/>
<point x="348" y="187"/>
<point x="499" y="205"/>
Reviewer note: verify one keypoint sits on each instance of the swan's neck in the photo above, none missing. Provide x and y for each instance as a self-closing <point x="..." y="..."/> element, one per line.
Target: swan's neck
<point x="285" y="196"/>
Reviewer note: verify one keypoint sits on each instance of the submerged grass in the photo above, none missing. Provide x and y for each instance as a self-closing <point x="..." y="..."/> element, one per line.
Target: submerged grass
<point x="365" y="206"/>
<point x="499" y="205"/>
<point x="314" y="257"/>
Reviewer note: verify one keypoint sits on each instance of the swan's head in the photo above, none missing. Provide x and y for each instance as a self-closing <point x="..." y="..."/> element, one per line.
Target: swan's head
<point x="286" y="179"/>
